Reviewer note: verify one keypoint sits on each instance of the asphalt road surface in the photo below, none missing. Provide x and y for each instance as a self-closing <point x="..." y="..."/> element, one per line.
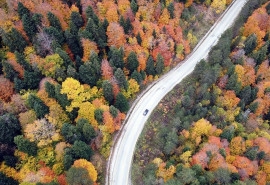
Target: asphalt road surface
<point x="120" y="161"/>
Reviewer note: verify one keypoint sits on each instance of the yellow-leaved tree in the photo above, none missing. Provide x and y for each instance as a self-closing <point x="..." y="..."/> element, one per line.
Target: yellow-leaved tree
<point x="218" y="5"/>
<point x="82" y="163"/>
<point x="201" y="127"/>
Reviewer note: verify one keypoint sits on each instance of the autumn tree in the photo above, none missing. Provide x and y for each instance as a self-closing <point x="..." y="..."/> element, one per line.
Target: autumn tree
<point x="116" y="35"/>
<point x="107" y="71"/>
<point x="82" y="163"/>
<point x="219" y="6"/>
<point x="6" y="90"/>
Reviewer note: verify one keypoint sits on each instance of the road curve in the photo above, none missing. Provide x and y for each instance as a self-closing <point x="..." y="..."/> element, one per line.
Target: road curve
<point x="120" y="160"/>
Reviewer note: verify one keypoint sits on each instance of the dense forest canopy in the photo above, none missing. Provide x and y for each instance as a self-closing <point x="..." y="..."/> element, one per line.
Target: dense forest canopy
<point x="69" y="70"/>
<point x="213" y="128"/>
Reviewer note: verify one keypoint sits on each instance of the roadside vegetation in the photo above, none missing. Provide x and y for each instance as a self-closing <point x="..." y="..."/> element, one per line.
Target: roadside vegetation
<point x="213" y="128"/>
<point x="69" y="69"/>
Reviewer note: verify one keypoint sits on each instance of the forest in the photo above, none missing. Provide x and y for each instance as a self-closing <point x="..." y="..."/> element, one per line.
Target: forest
<point x="69" y="71"/>
<point x="213" y="128"/>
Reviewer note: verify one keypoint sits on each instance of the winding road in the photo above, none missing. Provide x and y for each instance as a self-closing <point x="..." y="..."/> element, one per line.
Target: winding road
<point x="120" y="160"/>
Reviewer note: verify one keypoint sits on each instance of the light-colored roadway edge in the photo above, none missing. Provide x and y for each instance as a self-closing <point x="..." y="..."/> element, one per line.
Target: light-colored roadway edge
<point x="120" y="160"/>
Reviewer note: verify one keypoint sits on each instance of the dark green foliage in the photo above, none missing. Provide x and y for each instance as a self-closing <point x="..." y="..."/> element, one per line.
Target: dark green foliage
<point x="99" y="115"/>
<point x="14" y="40"/>
<point x="133" y="6"/>
<point x="251" y="153"/>
<point x="128" y="26"/>
<point x="61" y="98"/>
<point x="122" y="21"/>
<point x="73" y="43"/>
<point x="121" y="102"/>
<point x="233" y="84"/>
<point x="171" y="10"/>
<point x="89" y="72"/>
<point x="261" y="54"/>
<point x="54" y="21"/>
<point x="136" y="76"/>
<point x="25" y="145"/>
<point x="159" y="65"/>
<point x="9" y="71"/>
<point x="49" y="183"/>
<point x="50" y="89"/>
<point x="70" y="133"/>
<point x="9" y="128"/>
<point x="114" y="111"/>
<point x="76" y="18"/>
<point x="87" y="130"/>
<point x="121" y="78"/>
<point x="215" y="57"/>
<point x="253" y="106"/>
<point x="76" y="176"/>
<point x="108" y="91"/>
<point x="80" y="150"/>
<point x="101" y="38"/>
<point x="250" y="43"/>
<point x="116" y="57"/>
<point x="21" y="60"/>
<point x="56" y="34"/>
<point x="31" y="79"/>
<point x="222" y="176"/>
<point x="90" y="29"/>
<point x="29" y="26"/>
<point x="187" y="176"/>
<point x="228" y="133"/>
<point x="268" y="8"/>
<point x="71" y="72"/>
<point x="245" y="94"/>
<point x="37" y="19"/>
<point x="90" y="14"/>
<point x="150" y="66"/>
<point x="38" y="105"/>
<point x="4" y="180"/>
<point x="22" y="10"/>
<point x="171" y="142"/>
<point x="149" y="174"/>
<point x="132" y="62"/>
<point x="139" y="39"/>
<point x="65" y="57"/>
<point x="10" y="160"/>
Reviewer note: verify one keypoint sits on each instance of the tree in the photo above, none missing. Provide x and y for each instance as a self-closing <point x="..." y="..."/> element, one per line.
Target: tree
<point x="56" y="35"/>
<point x="76" y="18"/>
<point x="132" y="62"/>
<point x="29" y="26"/>
<point x="150" y="66"/>
<point x="87" y="130"/>
<point x="159" y="65"/>
<point x="91" y="15"/>
<point x="116" y="35"/>
<point x="4" y="180"/>
<point x="121" y="78"/>
<point x="14" y="40"/>
<point x="222" y="176"/>
<point x="25" y="145"/>
<point x="107" y="70"/>
<point x="171" y="10"/>
<point x="80" y="150"/>
<point x="54" y="21"/>
<point x="78" y="175"/>
<point x="139" y="38"/>
<point x="82" y="163"/>
<point x="6" y="90"/>
<point x="38" y="105"/>
<point x="250" y="43"/>
<point x="70" y="133"/>
<point x="108" y="91"/>
<point x="65" y="57"/>
<point x="9" y="128"/>
<point x="73" y="43"/>
<point x="116" y="57"/>
<point x="133" y="6"/>
<point x="121" y="103"/>
<point x="22" y="10"/>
